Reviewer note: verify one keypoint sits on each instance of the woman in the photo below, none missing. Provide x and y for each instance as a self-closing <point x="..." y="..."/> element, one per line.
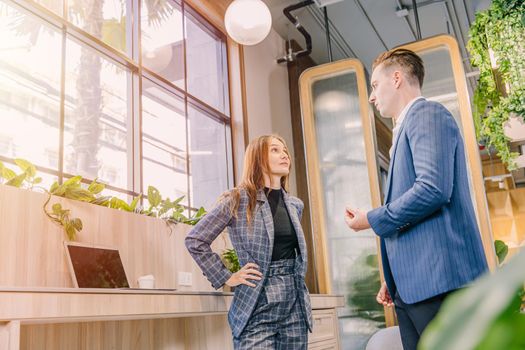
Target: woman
<point x="271" y="306"/>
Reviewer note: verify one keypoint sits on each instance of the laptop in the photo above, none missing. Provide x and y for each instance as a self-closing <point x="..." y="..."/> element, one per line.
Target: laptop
<point x="95" y="266"/>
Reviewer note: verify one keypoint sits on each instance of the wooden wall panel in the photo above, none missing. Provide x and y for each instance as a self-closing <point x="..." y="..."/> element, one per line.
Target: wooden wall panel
<point x="207" y="332"/>
<point x="32" y="251"/>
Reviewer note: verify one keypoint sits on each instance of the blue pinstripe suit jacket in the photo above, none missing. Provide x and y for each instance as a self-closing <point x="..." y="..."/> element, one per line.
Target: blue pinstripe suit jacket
<point x="252" y="245"/>
<point x="430" y="241"/>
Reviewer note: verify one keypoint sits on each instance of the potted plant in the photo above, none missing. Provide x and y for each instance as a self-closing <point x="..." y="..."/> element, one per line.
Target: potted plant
<point x="231" y="261"/>
<point x="171" y="212"/>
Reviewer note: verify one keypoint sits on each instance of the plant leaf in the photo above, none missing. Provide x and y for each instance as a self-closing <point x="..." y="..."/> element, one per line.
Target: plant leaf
<point x="229" y="256"/>
<point x="154" y="197"/>
<point x="70" y="231"/>
<point x="96" y="187"/>
<point x="77" y="224"/>
<point x="178" y="200"/>
<point x="57" y="208"/>
<point x="165" y="206"/>
<point x="468" y="314"/>
<point x="7" y="173"/>
<point x="200" y="213"/>
<point x="501" y="250"/>
<point x="26" y="166"/>
<point x="53" y="187"/>
<point x="75" y="180"/>
<point x="117" y="203"/>
<point x="57" y="190"/>
<point x="79" y="194"/>
<point x="135" y="201"/>
<point x="102" y="201"/>
<point x="17" y="181"/>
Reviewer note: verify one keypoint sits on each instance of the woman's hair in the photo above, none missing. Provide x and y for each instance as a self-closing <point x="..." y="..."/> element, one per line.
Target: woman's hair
<point x="256" y="164"/>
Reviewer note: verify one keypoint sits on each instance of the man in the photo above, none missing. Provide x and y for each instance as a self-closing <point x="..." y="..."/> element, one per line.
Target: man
<point x="430" y="242"/>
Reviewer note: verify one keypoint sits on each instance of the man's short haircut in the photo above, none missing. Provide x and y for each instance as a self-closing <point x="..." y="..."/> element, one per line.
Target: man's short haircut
<point x="409" y="62"/>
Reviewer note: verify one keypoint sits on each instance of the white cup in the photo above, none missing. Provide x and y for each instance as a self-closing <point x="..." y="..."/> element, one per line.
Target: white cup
<point x="146" y="282"/>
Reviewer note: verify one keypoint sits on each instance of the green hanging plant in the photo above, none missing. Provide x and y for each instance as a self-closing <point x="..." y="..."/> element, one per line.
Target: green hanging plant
<point x="63" y="218"/>
<point x="499" y="30"/>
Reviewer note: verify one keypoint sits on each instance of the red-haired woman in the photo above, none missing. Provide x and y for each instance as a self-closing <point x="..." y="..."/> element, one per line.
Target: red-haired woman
<point x="271" y="307"/>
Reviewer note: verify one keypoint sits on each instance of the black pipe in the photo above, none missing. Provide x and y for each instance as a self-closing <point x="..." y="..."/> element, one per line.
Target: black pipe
<point x="416" y="18"/>
<point x="299" y="27"/>
<point x="327" y="30"/>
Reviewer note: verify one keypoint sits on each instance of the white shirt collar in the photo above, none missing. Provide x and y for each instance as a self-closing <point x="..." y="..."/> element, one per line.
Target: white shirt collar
<point x="399" y="121"/>
<point x="403" y="113"/>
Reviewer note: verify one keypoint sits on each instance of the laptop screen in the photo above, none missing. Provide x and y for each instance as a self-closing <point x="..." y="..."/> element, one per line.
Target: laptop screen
<point x="95" y="267"/>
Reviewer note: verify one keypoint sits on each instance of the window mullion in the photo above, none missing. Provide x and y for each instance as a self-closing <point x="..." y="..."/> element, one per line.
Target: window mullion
<point x="137" y="99"/>
<point x="61" y="124"/>
<point x="188" y="168"/>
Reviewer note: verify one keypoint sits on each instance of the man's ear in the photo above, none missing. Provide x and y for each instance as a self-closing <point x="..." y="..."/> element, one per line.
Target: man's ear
<point x="398" y="77"/>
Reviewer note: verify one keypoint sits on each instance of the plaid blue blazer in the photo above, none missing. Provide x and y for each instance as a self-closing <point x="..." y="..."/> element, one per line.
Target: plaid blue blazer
<point x="254" y="244"/>
<point x="430" y="241"/>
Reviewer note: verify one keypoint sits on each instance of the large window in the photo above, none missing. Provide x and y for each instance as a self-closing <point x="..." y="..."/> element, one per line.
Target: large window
<point x="87" y="90"/>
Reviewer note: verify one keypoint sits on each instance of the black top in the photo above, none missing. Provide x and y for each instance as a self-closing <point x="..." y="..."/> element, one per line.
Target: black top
<point x="285" y="238"/>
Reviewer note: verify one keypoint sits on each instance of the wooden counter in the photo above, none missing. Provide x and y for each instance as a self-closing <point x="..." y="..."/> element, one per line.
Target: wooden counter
<point x="58" y="318"/>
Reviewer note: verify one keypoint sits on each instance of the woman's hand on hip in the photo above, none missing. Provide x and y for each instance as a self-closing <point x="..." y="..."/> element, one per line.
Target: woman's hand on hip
<point x="250" y="271"/>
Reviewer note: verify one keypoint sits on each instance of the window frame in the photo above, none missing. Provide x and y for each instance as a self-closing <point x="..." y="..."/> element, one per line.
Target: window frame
<point x="131" y="60"/>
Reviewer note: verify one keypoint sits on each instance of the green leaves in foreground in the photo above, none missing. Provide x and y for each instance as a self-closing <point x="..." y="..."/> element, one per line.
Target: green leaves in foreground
<point x="484" y="316"/>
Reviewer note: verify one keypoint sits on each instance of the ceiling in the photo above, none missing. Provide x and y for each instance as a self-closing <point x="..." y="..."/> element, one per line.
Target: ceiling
<point x="364" y="28"/>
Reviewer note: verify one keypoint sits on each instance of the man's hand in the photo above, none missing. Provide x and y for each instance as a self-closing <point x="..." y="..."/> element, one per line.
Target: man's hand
<point x="356" y="219"/>
<point x="250" y="271"/>
<point x="383" y="296"/>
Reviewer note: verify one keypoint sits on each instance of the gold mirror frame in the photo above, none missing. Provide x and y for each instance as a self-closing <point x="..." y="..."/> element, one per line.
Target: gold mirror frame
<point x="306" y="81"/>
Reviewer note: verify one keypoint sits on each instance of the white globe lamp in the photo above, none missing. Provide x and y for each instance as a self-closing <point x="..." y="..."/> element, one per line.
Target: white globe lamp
<point x="248" y="22"/>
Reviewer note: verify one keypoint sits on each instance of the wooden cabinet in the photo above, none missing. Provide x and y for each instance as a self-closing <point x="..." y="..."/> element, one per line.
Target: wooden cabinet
<point x="325" y="332"/>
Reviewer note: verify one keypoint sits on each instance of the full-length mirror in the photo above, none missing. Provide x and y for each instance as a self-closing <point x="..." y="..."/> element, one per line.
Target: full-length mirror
<point x="342" y="169"/>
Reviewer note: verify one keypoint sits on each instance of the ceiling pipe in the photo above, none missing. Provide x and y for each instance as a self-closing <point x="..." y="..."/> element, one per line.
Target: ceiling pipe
<point x="335" y="36"/>
<point x="327" y="30"/>
<point x="290" y="56"/>
<point x="416" y="18"/>
<point x="363" y="11"/>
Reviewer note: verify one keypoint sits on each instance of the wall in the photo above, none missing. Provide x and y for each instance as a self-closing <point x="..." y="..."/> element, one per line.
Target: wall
<point x="267" y="93"/>
<point x="32" y="253"/>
